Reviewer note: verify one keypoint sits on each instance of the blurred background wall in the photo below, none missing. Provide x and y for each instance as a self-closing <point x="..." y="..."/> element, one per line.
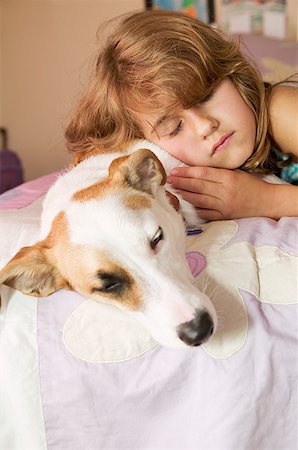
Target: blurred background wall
<point x="46" y="52"/>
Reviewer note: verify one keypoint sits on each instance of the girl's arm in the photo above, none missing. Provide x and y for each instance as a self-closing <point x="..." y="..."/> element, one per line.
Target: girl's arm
<point x="226" y="194"/>
<point x="283" y="111"/>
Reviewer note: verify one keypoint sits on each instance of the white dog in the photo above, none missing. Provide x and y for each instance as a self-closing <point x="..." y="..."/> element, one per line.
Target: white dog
<point x="110" y="232"/>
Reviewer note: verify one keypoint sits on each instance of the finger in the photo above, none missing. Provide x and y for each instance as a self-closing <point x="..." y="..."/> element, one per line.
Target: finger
<point x="210" y="214"/>
<point x="197" y="186"/>
<point x="206" y="173"/>
<point x="201" y="200"/>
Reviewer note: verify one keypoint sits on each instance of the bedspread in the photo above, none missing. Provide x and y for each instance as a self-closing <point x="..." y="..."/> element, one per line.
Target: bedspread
<point x="80" y="375"/>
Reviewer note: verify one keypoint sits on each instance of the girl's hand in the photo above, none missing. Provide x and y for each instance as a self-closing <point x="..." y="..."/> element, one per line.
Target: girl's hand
<point x="224" y="194"/>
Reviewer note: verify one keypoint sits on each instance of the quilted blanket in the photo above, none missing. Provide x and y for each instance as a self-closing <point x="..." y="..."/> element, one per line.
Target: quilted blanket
<point x="80" y="375"/>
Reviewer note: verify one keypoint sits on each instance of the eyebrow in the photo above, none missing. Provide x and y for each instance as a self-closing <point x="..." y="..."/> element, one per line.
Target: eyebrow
<point x="157" y="124"/>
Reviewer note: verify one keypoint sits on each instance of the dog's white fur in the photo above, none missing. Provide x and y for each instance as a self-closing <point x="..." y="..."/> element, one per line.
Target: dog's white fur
<point x="98" y="227"/>
<point x="93" y="169"/>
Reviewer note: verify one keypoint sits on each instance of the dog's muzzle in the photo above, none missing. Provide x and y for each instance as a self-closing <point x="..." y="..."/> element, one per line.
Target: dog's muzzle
<point x="198" y="330"/>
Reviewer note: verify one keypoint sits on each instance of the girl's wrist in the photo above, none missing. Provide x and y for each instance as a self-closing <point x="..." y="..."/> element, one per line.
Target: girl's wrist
<point x="282" y="201"/>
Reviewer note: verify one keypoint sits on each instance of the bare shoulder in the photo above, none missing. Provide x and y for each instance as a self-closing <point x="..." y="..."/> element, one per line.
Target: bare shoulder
<point x="283" y="111"/>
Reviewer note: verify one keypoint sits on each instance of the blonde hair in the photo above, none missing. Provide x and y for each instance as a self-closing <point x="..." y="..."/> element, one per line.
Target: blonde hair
<point x="156" y="61"/>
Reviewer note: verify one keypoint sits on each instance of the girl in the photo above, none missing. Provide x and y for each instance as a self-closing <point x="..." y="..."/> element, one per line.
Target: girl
<point x="182" y="85"/>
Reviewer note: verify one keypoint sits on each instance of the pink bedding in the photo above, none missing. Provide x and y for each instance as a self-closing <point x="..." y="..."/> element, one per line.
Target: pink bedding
<point x="79" y="375"/>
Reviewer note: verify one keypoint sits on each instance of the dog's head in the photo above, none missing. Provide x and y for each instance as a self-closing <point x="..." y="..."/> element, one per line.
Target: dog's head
<point x="120" y="241"/>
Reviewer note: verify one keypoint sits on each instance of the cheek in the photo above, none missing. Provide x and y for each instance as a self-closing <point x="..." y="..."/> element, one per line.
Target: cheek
<point x="170" y="146"/>
<point x="173" y="148"/>
<point x="247" y="118"/>
<point x="180" y="147"/>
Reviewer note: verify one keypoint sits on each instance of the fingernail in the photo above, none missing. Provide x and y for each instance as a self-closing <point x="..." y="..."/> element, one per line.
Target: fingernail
<point x="170" y="179"/>
<point x="174" y="172"/>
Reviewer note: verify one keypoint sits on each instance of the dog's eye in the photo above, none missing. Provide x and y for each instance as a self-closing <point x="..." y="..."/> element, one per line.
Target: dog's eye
<point x="109" y="288"/>
<point x="110" y="284"/>
<point x="156" y="238"/>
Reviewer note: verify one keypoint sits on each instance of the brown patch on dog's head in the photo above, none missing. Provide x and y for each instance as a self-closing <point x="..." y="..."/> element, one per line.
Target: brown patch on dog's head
<point x="96" y="190"/>
<point x="91" y="271"/>
<point x="173" y="200"/>
<point x="32" y="272"/>
<point x="113" y="283"/>
<point x="141" y="170"/>
<point x="137" y="202"/>
<point x="56" y="263"/>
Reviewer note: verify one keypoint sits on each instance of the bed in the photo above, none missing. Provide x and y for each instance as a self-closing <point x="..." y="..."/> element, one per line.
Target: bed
<point x="80" y="375"/>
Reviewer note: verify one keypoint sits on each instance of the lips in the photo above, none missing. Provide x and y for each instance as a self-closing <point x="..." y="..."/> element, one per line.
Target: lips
<point x="222" y="142"/>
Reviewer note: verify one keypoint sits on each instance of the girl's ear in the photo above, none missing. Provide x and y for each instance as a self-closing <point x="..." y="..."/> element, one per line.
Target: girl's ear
<point x="142" y="170"/>
<point x="30" y="272"/>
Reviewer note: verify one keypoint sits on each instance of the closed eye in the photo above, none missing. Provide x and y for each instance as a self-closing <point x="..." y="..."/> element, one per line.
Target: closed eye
<point x="169" y="126"/>
<point x="110" y="283"/>
<point x="157" y="238"/>
<point x="177" y="129"/>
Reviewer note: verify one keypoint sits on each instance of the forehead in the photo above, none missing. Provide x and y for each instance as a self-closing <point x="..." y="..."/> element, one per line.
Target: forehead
<point x="107" y="220"/>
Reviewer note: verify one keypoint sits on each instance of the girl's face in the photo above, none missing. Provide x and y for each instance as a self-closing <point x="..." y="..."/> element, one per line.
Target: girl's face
<point x="218" y="132"/>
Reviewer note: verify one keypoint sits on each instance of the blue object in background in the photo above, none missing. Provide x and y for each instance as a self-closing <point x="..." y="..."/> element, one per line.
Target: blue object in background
<point x="290" y="173"/>
<point x="202" y="9"/>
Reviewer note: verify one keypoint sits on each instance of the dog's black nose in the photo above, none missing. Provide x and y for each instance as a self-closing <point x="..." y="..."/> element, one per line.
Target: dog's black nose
<point x="197" y="331"/>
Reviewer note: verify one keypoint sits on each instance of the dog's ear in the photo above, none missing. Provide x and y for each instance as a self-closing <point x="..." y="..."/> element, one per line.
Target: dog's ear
<point x="30" y="272"/>
<point x="142" y="170"/>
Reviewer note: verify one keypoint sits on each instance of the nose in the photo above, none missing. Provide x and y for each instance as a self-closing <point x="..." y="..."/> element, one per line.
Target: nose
<point x="197" y="331"/>
<point x="204" y="125"/>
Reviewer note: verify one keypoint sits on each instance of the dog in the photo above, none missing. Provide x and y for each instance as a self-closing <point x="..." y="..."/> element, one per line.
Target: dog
<point x="114" y="231"/>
